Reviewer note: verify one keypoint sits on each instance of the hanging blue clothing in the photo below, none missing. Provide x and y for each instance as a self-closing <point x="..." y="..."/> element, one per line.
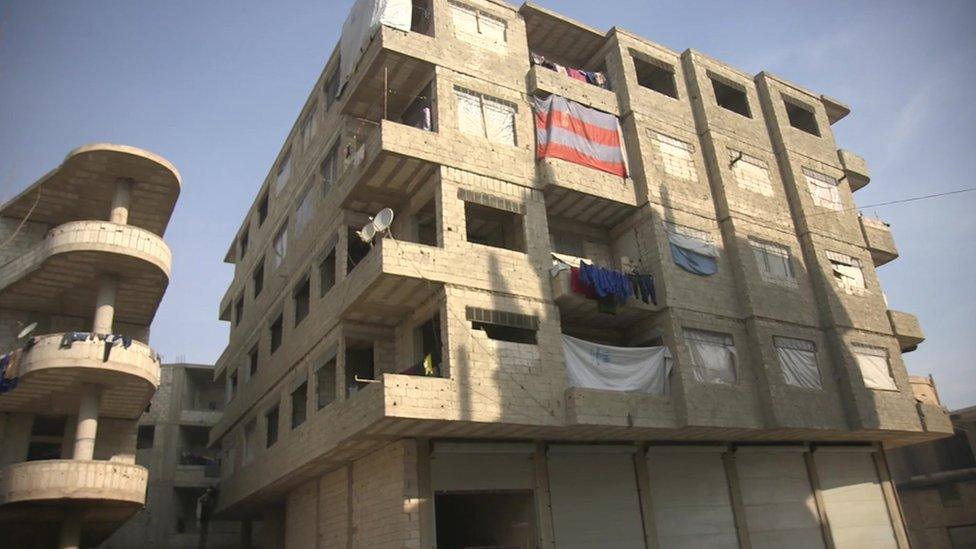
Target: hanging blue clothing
<point x="693" y="255"/>
<point x="607" y="282"/>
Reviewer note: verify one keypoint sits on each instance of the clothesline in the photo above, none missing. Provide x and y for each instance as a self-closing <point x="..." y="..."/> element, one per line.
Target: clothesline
<point x="595" y="78"/>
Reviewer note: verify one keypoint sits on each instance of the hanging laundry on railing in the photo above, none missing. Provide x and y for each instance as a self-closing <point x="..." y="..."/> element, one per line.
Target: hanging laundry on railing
<point x="590" y="77"/>
<point x="10" y="366"/>
<point x="595" y="366"/>
<point x="569" y="131"/>
<point x="693" y="255"/>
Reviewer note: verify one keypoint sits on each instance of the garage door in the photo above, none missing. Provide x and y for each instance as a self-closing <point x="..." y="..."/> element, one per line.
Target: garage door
<point x="690" y="498"/>
<point x="480" y="467"/>
<point x="855" y="504"/>
<point x="594" y="497"/>
<point x="781" y="510"/>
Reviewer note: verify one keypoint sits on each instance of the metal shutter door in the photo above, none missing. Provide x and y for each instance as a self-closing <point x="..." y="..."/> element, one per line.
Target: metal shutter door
<point x="474" y="467"/>
<point x="781" y="510"/>
<point x="594" y="498"/>
<point x="690" y="498"/>
<point x="855" y="505"/>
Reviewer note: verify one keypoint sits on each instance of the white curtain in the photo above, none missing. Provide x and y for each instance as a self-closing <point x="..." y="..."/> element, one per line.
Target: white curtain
<point x="306" y="208"/>
<point x="364" y="18"/>
<point x="280" y="247"/>
<point x="499" y="121"/>
<point x="875" y="369"/>
<point x="798" y="359"/>
<point x="470" y="118"/>
<point x="595" y="366"/>
<point x="713" y="355"/>
<point x="465" y="19"/>
<point x="491" y="28"/>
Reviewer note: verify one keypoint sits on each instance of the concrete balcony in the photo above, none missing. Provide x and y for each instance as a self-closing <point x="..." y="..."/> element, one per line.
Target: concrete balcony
<point x="585" y="195"/>
<point x="907" y="330"/>
<point x="576" y="309"/>
<point x="880" y="243"/>
<point x="543" y="81"/>
<point x="204" y="418"/>
<point x="51" y="378"/>
<point x="97" y="483"/>
<point x="60" y="275"/>
<point x="195" y="476"/>
<point x="855" y="169"/>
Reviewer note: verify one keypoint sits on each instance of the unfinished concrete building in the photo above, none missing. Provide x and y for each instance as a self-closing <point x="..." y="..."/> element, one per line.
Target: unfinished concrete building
<point x="626" y="300"/>
<point x="83" y="267"/>
<point x="172" y="444"/>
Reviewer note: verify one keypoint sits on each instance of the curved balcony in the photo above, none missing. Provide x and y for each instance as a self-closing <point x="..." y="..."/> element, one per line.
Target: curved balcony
<point x="60" y="275"/>
<point x="65" y="479"/>
<point x="51" y="377"/>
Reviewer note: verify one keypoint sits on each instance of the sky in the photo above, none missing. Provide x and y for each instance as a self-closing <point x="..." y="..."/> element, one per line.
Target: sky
<point x="215" y="87"/>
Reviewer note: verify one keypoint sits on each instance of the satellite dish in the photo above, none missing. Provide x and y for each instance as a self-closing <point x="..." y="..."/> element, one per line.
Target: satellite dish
<point x="27" y="330"/>
<point x="383" y="220"/>
<point x="368" y="232"/>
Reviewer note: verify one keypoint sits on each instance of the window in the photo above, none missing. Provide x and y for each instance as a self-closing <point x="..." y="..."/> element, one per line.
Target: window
<point x="252" y="361"/>
<point x="263" y="209"/>
<point x="327" y="272"/>
<point x="731" y="97"/>
<point x="250" y="441"/>
<point x="300" y="296"/>
<point x="476" y="26"/>
<point x="257" y="278"/>
<point x="357" y="250"/>
<point x="419" y="113"/>
<point x="325" y="384"/>
<point x="359" y="364"/>
<point x="798" y="361"/>
<point x="329" y="169"/>
<point x="875" y="368"/>
<point x="331" y="88"/>
<point x="504" y="326"/>
<point x="677" y="156"/>
<point x="420" y="21"/>
<point x="847" y="271"/>
<point x="231" y="386"/>
<point x="145" y="436"/>
<point x="657" y="76"/>
<point x="299" y="400"/>
<point x="823" y="189"/>
<point x="494" y="227"/>
<point x="284" y="171"/>
<point x="485" y="116"/>
<point x="271" y="422"/>
<point x="306" y="209"/>
<point x="751" y="173"/>
<point x="239" y="310"/>
<point x="802" y="118"/>
<point x="427" y="352"/>
<point x="280" y="246"/>
<point x="46" y="437"/>
<point x="712" y="355"/>
<point x="775" y="264"/>
<point x="244" y="241"/>
<point x="425" y="224"/>
<point x="309" y="124"/>
<point x="275" y="330"/>
<point x="566" y="243"/>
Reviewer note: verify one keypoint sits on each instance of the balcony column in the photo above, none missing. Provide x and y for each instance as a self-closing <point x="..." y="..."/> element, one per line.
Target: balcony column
<point x="120" y="202"/>
<point x="70" y="537"/>
<point x="105" y="305"/>
<point x="87" y="428"/>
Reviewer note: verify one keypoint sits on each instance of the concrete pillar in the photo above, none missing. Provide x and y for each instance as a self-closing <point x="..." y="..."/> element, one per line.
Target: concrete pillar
<point x="87" y="427"/>
<point x="105" y="305"/>
<point x="120" y="202"/>
<point x="70" y="537"/>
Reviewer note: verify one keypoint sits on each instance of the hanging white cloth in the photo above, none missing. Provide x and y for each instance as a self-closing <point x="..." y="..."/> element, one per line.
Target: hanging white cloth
<point x="798" y="359"/>
<point x="364" y="18"/>
<point x="595" y="366"/>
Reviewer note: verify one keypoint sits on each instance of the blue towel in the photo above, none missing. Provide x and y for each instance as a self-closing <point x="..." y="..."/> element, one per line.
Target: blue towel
<point x="693" y="262"/>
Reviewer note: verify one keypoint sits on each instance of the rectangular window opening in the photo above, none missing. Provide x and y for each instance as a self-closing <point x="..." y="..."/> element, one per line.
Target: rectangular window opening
<point x="300" y="296"/>
<point x="420" y="19"/>
<point x="46" y="437"/>
<point x="713" y="356"/>
<point x="299" y="400"/>
<point x="847" y="271"/>
<point x="427" y="349"/>
<point x="271" y="422"/>
<point x="329" y="168"/>
<point x="239" y="310"/>
<point x="425" y="223"/>
<point x="331" y="87"/>
<point x="309" y="125"/>
<point x="504" y="326"/>
<point x="263" y="209"/>
<point x="567" y="243"/>
<point x="493" y="227"/>
<point x="327" y="272"/>
<point x="244" y="242"/>
<point x="773" y="259"/>
<point x="257" y="278"/>
<point x="484" y="116"/>
<point x="802" y="118"/>
<point x="231" y="386"/>
<point x="325" y="384"/>
<point x="798" y="362"/>
<point x="359" y="366"/>
<point x="250" y="441"/>
<point x="306" y="209"/>
<point x="357" y="249"/>
<point x="656" y="76"/>
<point x="419" y="113"/>
<point x="275" y="330"/>
<point x="731" y="98"/>
<point x="145" y="436"/>
<point x="252" y="361"/>
<point x="280" y="247"/>
<point x="875" y="367"/>
<point x="283" y="173"/>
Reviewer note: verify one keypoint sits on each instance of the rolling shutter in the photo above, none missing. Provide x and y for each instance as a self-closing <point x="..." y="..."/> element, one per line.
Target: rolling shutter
<point x="855" y="504"/>
<point x="475" y="467"/>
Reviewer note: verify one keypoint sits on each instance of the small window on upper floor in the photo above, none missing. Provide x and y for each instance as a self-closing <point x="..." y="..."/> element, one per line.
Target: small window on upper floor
<point x="263" y="209"/>
<point x="305" y="210"/>
<point x="250" y="441"/>
<point x="257" y="278"/>
<point x="145" y="436"/>
<point x="284" y="171"/>
<point x="360" y="366"/>
<point x="275" y="331"/>
<point x="243" y="243"/>
<point x="847" y="271"/>
<point x="874" y="366"/>
<point x="327" y="272"/>
<point x="567" y="243"/>
<point x="46" y="437"/>
<point x="494" y="227"/>
<point x="299" y="405"/>
<point x="252" y="361"/>
<point x="300" y="297"/>
<point x="475" y="26"/>
<point x="420" y="18"/>
<point x="713" y="356"/>
<point x="656" y="75"/>
<point x="309" y="124"/>
<point x="731" y="97"/>
<point x="325" y="383"/>
<point x="802" y="118"/>
<point x="774" y="261"/>
<point x="329" y="168"/>
<point x="231" y="386"/>
<point x="751" y="173"/>
<point x="798" y="362"/>
<point x="484" y="116"/>
<point x="271" y="423"/>
<point x="280" y="247"/>
<point x="239" y="310"/>
<point x="331" y="88"/>
<point x="823" y="190"/>
<point x="504" y="326"/>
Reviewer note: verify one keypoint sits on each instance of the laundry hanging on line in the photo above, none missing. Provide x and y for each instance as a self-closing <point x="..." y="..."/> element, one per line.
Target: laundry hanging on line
<point x="10" y="366"/>
<point x="595" y="78"/>
<point x="609" y="287"/>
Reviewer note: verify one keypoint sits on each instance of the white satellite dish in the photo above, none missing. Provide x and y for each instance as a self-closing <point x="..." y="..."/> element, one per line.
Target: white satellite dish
<point x="27" y="330"/>
<point x="379" y="224"/>
<point x="368" y="232"/>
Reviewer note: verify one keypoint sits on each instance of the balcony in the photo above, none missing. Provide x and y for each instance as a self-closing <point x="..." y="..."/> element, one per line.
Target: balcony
<point x="51" y="378"/>
<point x="543" y="81"/>
<point x="576" y="309"/>
<point x="880" y="243"/>
<point x="855" y="169"/>
<point x="60" y="275"/>
<point x="196" y="476"/>
<point x="585" y="195"/>
<point x="907" y="330"/>
<point x="94" y="483"/>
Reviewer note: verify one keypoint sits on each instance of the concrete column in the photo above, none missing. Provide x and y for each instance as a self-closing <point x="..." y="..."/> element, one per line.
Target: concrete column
<point x="70" y="537"/>
<point x="105" y="304"/>
<point x="120" y="202"/>
<point x="87" y="428"/>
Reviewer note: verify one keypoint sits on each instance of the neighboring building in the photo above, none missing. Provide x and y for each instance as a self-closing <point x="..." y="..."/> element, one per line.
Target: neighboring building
<point x="936" y="483"/>
<point x="172" y="444"/>
<point x="416" y="391"/>
<point x="82" y="256"/>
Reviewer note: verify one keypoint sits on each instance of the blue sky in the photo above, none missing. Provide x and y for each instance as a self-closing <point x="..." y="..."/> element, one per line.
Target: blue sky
<point x="215" y="86"/>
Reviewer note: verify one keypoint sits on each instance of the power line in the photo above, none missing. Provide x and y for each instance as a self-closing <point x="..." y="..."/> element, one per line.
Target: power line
<point x="891" y="202"/>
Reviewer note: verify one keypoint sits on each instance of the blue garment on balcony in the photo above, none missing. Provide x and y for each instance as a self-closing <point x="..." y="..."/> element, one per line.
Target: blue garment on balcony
<point x="8" y="364"/>
<point x="70" y="337"/>
<point x="607" y="282"/>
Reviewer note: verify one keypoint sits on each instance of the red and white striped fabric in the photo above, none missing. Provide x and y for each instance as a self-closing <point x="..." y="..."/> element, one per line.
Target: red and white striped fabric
<point x="569" y="131"/>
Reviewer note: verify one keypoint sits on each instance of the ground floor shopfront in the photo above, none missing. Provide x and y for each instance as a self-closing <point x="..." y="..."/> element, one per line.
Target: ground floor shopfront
<point x="450" y="495"/>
